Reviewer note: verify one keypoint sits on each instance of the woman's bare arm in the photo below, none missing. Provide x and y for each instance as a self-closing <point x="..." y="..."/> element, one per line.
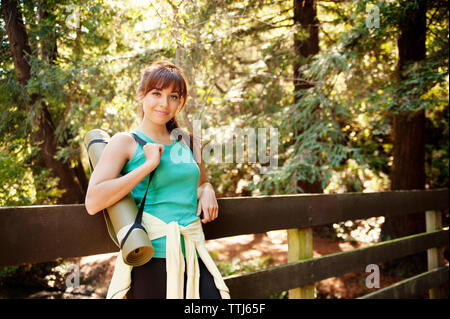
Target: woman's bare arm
<point x="105" y="187"/>
<point x="207" y="201"/>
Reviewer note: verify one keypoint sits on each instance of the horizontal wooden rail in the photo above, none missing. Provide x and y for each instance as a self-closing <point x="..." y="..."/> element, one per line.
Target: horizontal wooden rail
<point x="263" y="283"/>
<point x="41" y="233"/>
<point x="253" y="215"/>
<point x="412" y="287"/>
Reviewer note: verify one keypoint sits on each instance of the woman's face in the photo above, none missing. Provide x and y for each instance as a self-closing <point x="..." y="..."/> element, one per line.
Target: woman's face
<point x="161" y="105"/>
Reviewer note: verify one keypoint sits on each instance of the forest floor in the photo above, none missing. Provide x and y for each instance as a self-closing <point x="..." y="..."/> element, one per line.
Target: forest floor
<point x="266" y="249"/>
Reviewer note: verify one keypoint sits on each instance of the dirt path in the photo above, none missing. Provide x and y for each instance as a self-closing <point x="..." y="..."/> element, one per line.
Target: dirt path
<point x="274" y="244"/>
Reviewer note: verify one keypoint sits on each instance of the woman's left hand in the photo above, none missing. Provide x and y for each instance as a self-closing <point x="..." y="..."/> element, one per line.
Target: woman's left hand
<point x="208" y="203"/>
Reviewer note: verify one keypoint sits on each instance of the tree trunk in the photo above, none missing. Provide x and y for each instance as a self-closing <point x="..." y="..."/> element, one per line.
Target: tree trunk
<point x="18" y="40"/>
<point x="408" y="170"/>
<point x="305" y="18"/>
<point x="45" y="134"/>
<point x="49" y="53"/>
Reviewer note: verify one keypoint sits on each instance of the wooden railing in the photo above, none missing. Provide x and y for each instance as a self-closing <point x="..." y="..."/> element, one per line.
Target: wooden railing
<point x="34" y="234"/>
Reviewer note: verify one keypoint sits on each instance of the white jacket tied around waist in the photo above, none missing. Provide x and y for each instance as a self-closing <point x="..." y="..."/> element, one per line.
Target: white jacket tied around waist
<point x="175" y="266"/>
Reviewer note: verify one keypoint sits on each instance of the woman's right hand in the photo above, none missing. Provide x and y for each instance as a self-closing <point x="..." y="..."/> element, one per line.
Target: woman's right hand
<point x="153" y="153"/>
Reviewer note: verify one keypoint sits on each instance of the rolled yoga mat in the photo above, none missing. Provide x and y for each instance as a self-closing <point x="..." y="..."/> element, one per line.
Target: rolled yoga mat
<point x="137" y="249"/>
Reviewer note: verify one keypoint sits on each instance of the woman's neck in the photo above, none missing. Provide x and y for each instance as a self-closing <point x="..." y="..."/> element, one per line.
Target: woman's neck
<point x="153" y="130"/>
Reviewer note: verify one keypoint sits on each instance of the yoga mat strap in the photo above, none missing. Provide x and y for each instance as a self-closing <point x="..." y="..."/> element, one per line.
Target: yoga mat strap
<point x="87" y="149"/>
<point x="138" y="220"/>
<point x="96" y="141"/>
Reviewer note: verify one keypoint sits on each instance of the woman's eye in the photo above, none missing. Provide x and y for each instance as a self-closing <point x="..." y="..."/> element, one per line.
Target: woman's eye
<point x="156" y="93"/>
<point x="174" y="97"/>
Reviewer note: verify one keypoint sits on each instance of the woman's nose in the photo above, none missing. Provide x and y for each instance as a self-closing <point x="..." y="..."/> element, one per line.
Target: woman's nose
<point x="165" y="101"/>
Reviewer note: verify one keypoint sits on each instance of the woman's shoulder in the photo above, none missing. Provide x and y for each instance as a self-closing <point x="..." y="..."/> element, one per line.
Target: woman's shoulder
<point x="123" y="143"/>
<point x="122" y="139"/>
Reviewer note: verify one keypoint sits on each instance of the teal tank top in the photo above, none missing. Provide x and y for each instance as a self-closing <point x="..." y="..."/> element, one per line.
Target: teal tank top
<point x="172" y="194"/>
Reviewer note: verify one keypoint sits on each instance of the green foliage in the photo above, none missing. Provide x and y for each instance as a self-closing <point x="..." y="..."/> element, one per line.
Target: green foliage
<point x="238" y="60"/>
<point x="83" y="88"/>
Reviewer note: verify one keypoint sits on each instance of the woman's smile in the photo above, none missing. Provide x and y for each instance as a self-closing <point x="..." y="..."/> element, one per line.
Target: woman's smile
<point x="161" y="112"/>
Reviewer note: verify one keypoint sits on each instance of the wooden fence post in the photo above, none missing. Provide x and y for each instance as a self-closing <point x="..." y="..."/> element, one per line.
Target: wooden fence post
<point x="300" y="246"/>
<point x="435" y="256"/>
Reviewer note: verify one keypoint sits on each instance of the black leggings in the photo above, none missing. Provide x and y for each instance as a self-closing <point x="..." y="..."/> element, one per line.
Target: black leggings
<point x="149" y="281"/>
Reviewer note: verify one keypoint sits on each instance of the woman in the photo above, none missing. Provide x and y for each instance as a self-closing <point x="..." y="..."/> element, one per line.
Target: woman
<point x="171" y="205"/>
